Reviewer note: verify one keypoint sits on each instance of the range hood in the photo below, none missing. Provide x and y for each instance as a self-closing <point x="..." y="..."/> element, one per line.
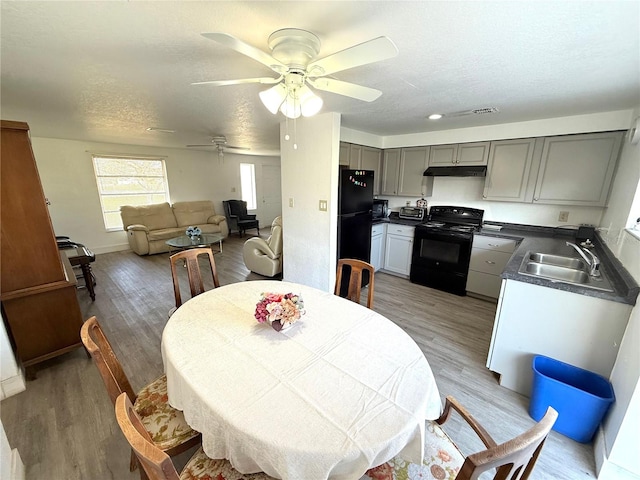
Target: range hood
<point x="462" y="171"/>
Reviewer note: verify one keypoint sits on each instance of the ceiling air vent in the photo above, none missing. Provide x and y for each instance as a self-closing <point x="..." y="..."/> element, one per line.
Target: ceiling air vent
<point x="484" y="111"/>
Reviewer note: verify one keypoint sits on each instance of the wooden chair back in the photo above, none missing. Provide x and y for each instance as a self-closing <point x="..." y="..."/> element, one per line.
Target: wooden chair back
<point x="190" y="259"/>
<point x="110" y="369"/>
<point x="156" y="464"/>
<point x="355" y="279"/>
<point x="513" y="459"/>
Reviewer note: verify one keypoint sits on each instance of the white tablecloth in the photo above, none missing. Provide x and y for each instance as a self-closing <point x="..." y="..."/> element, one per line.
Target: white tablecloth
<point x="341" y="391"/>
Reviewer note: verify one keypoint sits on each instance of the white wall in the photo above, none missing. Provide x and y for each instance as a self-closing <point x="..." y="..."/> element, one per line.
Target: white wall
<point x="618" y="443"/>
<point x="11" y="377"/>
<point x="310" y="174"/>
<point x="67" y="176"/>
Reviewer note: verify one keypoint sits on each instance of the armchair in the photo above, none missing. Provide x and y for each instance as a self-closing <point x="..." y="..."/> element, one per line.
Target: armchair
<point x="263" y="257"/>
<point x="238" y="218"/>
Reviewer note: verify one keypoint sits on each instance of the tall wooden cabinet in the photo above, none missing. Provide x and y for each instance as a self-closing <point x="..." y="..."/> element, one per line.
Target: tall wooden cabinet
<point x="38" y="287"/>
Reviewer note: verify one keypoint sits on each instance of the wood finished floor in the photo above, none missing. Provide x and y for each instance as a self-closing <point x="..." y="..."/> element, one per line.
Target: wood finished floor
<point x="63" y="424"/>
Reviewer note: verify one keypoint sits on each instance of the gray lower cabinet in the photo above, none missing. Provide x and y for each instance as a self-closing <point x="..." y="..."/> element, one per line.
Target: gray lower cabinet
<point x="563" y="170"/>
<point x="489" y="257"/>
<point x="378" y="233"/>
<point x="398" y="249"/>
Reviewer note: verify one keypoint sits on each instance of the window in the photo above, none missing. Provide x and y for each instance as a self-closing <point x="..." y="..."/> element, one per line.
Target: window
<point x="248" y="184"/>
<point x="128" y="181"/>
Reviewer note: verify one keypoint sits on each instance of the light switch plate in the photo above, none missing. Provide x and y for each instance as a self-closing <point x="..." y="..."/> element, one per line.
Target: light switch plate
<point x="322" y="206"/>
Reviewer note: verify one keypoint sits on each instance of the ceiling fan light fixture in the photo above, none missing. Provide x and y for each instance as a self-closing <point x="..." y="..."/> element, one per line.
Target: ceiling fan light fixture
<point x="274" y="97"/>
<point x="290" y="108"/>
<point x="310" y="103"/>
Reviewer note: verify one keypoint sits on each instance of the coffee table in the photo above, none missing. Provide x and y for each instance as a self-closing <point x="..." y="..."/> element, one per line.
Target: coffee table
<point x="184" y="242"/>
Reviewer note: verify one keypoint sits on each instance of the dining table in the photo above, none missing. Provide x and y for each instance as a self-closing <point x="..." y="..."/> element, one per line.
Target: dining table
<point x="340" y="391"/>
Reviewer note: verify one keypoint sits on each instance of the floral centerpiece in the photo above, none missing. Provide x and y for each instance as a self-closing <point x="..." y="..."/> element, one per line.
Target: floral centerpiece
<point x="193" y="232"/>
<point x="281" y="310"/>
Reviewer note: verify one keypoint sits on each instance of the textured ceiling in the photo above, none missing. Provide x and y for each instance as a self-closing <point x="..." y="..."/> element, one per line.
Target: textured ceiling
<point x="105" y="71"/>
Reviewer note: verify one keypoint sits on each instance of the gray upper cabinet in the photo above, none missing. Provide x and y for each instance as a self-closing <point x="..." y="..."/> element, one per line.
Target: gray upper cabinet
<point x="359" y="157"/>
<point x="577" y="169"/>
<point x="343" y="158"/>
<point x="475" y="153"/>
<point x="509" y="170"/>
<point x="443" y="155"/>
<point x="390" y="172"/>
<point x="413" y="163"/>
<point x="355" y="157"/>
<point x="402" y="172"/>
<point x="371" y="159"/>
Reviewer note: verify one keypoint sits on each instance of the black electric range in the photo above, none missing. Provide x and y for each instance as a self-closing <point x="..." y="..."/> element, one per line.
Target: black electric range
<point x="442" y="248"/>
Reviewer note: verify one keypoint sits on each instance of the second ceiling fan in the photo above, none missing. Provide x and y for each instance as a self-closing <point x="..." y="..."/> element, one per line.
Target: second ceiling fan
<point x="293" y="58"/>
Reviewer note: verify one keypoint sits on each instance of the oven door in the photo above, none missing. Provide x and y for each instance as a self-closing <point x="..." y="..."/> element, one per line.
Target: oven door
<point x="441" y="259"/>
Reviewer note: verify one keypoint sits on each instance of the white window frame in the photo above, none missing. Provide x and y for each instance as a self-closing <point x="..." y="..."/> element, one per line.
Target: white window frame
<point x="102" y="194"/>
<point x="248" y="185"/>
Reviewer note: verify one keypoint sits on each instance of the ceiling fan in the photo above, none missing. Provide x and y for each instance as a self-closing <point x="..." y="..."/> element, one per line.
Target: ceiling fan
<point x="294" y="59"/>
<point x="220" y="142"/>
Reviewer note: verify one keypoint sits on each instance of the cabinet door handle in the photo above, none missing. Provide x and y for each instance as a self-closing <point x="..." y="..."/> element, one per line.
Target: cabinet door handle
<point x="492" y="244"/>
<point x="490" y="262"/>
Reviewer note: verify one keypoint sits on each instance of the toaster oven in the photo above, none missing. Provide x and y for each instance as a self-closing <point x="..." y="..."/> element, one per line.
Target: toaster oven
<point x="412" y="213"/>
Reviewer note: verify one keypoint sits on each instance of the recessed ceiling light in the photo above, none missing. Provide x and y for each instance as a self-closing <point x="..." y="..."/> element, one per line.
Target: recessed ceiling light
<point x="435" y="116"/>
<point x="161" y="130"/>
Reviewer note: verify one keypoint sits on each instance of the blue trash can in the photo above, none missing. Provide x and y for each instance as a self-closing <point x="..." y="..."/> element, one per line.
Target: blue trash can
<point x="581" y="398"/>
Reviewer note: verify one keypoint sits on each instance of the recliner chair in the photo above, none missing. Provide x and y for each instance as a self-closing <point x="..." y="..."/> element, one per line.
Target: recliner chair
<point x="265" y="257"/>
<point x="238" y="218"/>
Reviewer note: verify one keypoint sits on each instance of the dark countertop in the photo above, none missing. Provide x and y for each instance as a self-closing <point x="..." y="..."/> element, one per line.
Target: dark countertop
<point x="553" y="240"/>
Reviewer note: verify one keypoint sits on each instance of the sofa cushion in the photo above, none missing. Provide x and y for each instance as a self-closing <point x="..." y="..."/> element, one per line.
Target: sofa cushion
<point x="155" y="216"/>
<point x="193" y="213"/>
<point x="165" y="233"/>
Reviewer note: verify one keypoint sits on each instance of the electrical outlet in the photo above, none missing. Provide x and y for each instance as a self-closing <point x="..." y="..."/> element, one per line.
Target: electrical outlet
<point x="291" y="202"/>
<point x="563" y="217"/>
<point x="322" y="206"/>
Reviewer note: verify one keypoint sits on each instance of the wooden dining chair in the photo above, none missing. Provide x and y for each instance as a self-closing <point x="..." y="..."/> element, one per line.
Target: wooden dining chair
<point x="165" y="425"/>
<point x="158" y="465"/>
<point x="355" y="279"/>
<point x="512" y="460"/>
<point x="189" y="258"/>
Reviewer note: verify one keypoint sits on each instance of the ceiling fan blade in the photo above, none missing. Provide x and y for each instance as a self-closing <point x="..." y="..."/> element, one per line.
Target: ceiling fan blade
<point x="204" y="145"/>
<point x="220" y="83"/>
<point x="231" y="147"/>
<point x="345" y="88"/>
<point x="246" y="49"/>
<point x="371" y="51"/>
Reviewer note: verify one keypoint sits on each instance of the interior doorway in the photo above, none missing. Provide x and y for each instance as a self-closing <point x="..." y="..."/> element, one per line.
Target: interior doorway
<point x="270" y="194"/>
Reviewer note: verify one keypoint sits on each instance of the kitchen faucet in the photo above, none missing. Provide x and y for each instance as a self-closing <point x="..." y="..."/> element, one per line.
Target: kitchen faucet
<point x="594" y="262"/>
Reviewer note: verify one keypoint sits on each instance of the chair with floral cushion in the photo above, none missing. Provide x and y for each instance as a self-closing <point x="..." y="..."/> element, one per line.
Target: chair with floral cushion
<point x="513" y="459"/>
<point x="158" y="465"/>
<point x="166" y="426"/>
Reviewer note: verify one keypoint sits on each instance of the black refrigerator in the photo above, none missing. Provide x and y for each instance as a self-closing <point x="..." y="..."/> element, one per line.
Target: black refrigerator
<point x="355" y="204"/>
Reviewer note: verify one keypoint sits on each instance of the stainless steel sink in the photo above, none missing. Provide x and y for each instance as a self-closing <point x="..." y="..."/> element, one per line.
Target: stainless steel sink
<point x="558" y="268"/>
<point x="570" y="275"/>
<point x="560" y="261"/>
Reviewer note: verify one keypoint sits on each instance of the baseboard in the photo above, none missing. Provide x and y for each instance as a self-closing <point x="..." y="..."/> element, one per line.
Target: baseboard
<point x="111" y="248"/>
<point x="605" y="469"/>
<point x="12" y="386"/>
<point x="17" y="467"/>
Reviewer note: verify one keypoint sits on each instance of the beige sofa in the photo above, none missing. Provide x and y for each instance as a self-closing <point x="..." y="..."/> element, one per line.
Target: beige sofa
<point x="148" y="227"/>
